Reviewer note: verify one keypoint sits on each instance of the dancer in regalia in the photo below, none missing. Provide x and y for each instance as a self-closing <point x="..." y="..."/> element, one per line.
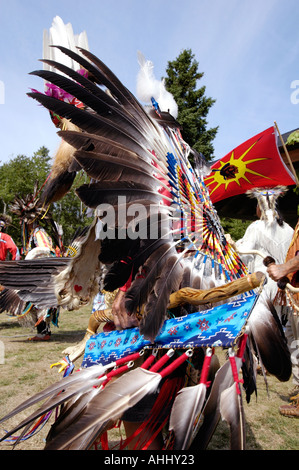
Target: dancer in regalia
<point x="36" y="243"/>
<point x="137" y="159"/>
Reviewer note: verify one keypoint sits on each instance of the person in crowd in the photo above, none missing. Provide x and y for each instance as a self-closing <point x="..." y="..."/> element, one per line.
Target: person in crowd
<point x="290" y="270"/>
<point x="8" y="248"/>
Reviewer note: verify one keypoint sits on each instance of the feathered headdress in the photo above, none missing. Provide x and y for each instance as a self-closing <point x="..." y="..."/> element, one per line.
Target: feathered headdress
<point x="267" y="202"/>
<point x="5" y="220"/>
<point x="28" y="208"/>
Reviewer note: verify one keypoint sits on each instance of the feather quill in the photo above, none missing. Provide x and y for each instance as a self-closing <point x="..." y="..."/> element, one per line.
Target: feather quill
<point x="188" y="404"/>
<point x="186" y="408"/>
<point x="232" y="411"/>
<point x="211" y="412"/>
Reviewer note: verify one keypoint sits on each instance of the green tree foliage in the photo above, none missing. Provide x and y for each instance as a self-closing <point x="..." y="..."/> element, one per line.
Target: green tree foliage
<point x="193" y="106"/>
<point x="70" y="212"/>
<point x="18" y="177"/>
<point x="235" y="227"/>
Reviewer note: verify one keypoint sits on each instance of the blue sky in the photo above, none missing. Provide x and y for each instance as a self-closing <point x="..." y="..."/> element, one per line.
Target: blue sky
<point x="248" y="51"/>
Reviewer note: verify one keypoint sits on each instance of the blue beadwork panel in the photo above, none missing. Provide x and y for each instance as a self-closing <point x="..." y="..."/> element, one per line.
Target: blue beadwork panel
<point x="218" y="326"/>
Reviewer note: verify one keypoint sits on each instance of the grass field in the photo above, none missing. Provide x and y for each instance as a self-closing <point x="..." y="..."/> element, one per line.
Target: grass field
<point x="26" y="370"/>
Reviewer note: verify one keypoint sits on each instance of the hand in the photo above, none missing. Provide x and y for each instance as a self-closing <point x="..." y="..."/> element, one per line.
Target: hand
<point x="276" y="271"/>
<point x="121" y="318"/>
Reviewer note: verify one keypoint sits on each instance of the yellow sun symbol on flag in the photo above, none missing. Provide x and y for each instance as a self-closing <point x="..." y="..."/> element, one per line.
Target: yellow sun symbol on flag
<point x="233" y="170"/>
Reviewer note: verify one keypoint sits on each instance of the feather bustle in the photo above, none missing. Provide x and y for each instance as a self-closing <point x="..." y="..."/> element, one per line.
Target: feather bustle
<point x="156" y="308"/>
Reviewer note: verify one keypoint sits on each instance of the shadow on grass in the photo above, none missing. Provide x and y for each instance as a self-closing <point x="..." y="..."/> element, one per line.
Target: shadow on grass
<point x="69" y="337"/>
<point x="9" y="324"/>
<point x="221" y="438"/>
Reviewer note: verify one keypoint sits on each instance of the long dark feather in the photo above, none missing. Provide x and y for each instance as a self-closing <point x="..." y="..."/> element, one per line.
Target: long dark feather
<point x="11" y="302"/>
<point x="107" y="192"/>
<point x="57" y="187"/>
<point x="139" y="158"/>
<point x="102" y="75"/>
<point x="31" y="274"/>
<point x="106" y="168"/>
<point x="249" y="371"/>
<point x="87" y="121"/>
<point x="266" y="330"/>
<point x="32" y="281"/>
<point x="155" y="310"/>
<point x="91" y="95"/>
<point x="134" y="253"/>
<point x="84" y="81"/>
<point x="142" y="287"/>
<point x="94" y="102"/>
<point x="117" y="88"/>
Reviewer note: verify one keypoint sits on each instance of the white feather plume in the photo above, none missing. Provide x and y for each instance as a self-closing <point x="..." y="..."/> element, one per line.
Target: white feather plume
<point x="61" y="34"/>
<point x="148" y="86"/>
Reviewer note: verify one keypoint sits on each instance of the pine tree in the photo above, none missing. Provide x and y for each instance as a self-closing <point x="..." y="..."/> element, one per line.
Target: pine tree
<point x="193" y="105"/>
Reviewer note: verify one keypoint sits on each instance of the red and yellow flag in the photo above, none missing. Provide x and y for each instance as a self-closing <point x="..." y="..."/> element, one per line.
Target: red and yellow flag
<point x="255" y="163"/>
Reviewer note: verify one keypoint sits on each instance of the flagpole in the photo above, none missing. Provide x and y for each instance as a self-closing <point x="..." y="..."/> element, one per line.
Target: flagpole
<point x="287" y="154"/>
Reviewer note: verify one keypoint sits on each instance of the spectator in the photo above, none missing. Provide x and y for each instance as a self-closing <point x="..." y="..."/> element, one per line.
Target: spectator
<point x="290" y="269"/>
<point x="7" y="244"/>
